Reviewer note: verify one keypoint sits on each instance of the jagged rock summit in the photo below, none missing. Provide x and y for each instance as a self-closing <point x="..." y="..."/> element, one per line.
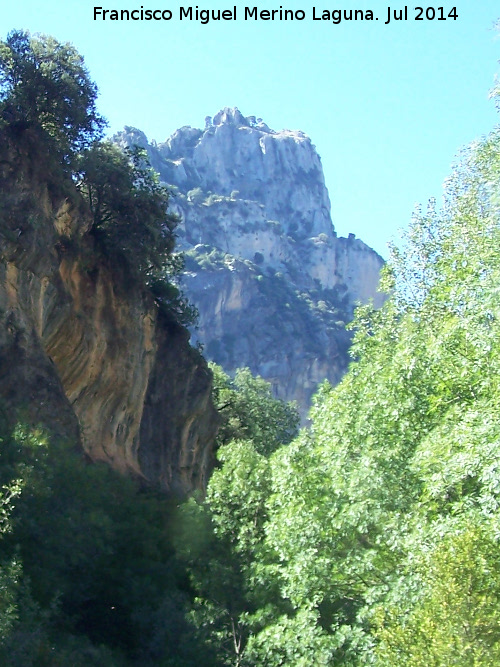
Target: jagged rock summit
<point x="273" y="283"/>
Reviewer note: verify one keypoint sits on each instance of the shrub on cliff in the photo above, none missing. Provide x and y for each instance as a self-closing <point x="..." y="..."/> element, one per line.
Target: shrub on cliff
<point x="131" y="222"/>
<point x="129" y="206"/>
<point x="45" y="86"/>
<point x="48" y="106"/>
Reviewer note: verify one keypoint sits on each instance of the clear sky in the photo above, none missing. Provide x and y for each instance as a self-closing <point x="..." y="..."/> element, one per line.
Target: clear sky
<point x="388" y="106"/>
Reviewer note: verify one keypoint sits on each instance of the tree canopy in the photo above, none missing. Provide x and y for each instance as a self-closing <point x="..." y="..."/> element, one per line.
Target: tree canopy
<point x="48" y="99"/>
<point x="249" y="411"/>
<point x="399" y="475"/>
<point x="373" y="537"/>
<point x="44" y="85"/>
<point x="132" y="223"/>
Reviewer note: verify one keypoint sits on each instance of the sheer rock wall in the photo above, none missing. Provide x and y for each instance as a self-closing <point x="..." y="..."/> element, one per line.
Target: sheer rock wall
<point x="85" y="353"/>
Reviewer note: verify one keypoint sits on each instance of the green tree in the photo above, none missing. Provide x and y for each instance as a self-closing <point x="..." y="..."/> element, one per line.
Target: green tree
<point x="249" y="411"/>
<point x="99" y="582"/>
<point x="129" y="207"/>
<point x="131" y="220"/>
<point x="456" y="619"/>
<point x="10" y="569"/>
<point x="403" y="454"/>
<point x="44" y="86"/>
<point x="221" y="538"/>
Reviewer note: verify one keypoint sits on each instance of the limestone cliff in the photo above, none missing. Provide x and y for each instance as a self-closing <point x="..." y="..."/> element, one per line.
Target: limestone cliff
<point x="83" y="351"/>
<point x="273" y="283"/>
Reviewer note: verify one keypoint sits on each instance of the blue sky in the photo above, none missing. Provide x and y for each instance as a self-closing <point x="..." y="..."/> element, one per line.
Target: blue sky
<point x="387" y="106"/>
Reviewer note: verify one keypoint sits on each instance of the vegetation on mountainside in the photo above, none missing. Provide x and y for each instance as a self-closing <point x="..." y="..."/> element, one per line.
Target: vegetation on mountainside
<point x="373" y="538"/>
<point x="47" y="97"/>
<point x="45" y="87"/>
<point x="131" y="221"/>
<point x="377" y="531"/>
<point x="370" y="539"/>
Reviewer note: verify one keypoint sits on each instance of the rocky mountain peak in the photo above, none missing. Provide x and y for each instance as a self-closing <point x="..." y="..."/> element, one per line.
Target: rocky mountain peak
<point x="272" y="281"/>
<point x="228" y="116"/>
<point x="242" y="155"/>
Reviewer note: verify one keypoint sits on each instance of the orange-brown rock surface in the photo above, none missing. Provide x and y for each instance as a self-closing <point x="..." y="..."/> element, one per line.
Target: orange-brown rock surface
<point x="84" y="351"/>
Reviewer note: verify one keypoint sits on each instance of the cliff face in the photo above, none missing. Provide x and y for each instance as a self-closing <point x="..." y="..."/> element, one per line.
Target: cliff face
<point x="273" y="283"/>
<point x="87" y="354"/>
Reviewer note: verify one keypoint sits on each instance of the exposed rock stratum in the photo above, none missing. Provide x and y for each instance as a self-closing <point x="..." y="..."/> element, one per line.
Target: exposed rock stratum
<point x="85" y="352"/>
<point x="273" y="283"/>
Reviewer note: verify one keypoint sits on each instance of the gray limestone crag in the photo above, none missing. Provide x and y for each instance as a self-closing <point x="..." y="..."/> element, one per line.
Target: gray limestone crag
<point x="273" y="283"/>
<point x="86" y="353"/>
